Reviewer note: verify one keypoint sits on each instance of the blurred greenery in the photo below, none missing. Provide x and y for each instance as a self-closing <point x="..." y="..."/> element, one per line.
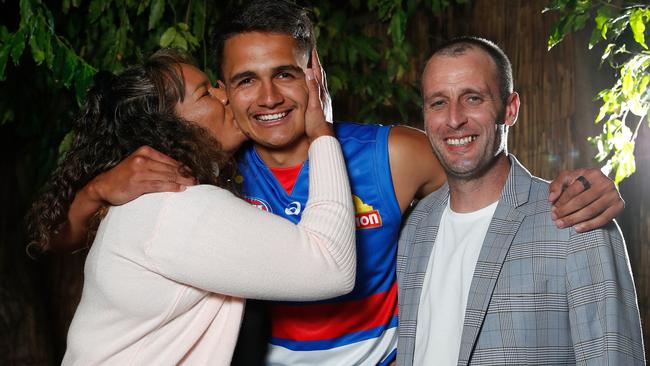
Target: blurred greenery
<point x="621" y="25"/>
<point x="49" y="52"/>
<point x="57" y="47"/>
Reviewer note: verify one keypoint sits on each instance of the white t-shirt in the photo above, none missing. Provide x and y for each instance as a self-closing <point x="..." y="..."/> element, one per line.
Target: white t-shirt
<point x="446" y="285"/>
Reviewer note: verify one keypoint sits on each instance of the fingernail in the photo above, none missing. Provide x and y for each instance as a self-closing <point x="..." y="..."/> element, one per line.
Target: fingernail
<point x="182" y="188"/>
<point x="579" y="228"/>
<point x="553" y="216"/>
<point x="559" y="224"/>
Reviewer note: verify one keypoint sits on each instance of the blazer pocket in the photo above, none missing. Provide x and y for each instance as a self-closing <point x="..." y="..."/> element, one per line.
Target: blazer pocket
<point x="526" y="295"/>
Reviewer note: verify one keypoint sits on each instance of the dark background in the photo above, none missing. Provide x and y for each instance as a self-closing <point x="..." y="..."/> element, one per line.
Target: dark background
<point x="38" y="296"/>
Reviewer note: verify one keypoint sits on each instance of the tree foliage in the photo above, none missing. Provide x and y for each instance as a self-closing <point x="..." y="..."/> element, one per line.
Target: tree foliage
<point x="61" y="45"/>
<point x="622" y="25"/>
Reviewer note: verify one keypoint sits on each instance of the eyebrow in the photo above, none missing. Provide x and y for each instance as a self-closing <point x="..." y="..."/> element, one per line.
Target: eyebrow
<point x="242" y="75"/>
<point x="293" y="68"/>
<point x="249" y="74"/>
<point x="464" y="91"/>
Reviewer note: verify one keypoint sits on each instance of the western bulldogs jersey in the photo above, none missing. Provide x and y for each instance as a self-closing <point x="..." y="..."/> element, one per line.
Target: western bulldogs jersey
<point x="358" y="328"/>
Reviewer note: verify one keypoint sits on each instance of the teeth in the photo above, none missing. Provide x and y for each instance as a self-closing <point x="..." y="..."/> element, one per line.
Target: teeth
<point x="271" y="117"/>
<point x="463" y="141"/>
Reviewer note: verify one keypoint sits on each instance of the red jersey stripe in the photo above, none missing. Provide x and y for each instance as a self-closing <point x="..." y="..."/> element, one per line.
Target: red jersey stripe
<point x="325" y="321"/>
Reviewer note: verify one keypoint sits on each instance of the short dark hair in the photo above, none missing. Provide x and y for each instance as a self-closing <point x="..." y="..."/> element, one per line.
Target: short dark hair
<point x="459" y="46"/>
<point x="267" y="16"/>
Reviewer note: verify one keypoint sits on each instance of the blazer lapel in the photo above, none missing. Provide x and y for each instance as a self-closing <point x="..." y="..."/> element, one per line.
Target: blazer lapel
<point x="412" y="262"/>
<point x="501" y="232"/>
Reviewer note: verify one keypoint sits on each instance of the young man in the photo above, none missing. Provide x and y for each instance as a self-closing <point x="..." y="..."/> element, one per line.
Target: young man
<point x="514" y="290"/>
<point x="262" y="53"/>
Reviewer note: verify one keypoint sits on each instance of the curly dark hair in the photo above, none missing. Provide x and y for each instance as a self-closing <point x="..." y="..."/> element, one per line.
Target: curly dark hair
<point x="122" y="113"/>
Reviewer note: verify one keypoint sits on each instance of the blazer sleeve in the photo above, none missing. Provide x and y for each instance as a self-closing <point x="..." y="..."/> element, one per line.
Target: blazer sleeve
<point x="603" y="309"/>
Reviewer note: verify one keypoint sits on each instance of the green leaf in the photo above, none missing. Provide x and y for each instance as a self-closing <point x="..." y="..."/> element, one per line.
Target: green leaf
<point x="83" y="80"/>
<point x="608" y="50"/>
<point x="198" y="23"/>
<point x="180" y="42"/>
<point x="397" y="27"/>
<point x="643" y="84"/>
<point x="5" y="50"/>
<point x="556" y="5"/>
<point x="638" y="26"/>
<point x="66" y="143"/>
<point x="183" y="27"/>
<point x="46" y="32"/>
<point x="580" y="21"/>
<point x="7" y="116"/>
<point x="69" y="68"/>
<point x="192" y="41"/>
<point x="144" y="4"/>
<point x="628" y="82"/>
<point x="168" y="37"/>
<point x="626" y="163"/>
<point x="26" y="12"/>
<point x="17" y="45"/>
<point x="95" y="9"/>
<point x="603" y="15"/>
<point x="559" y="30"/>
<point x="157" y="10"/>
<point x="594" y="38"/>
<point x="37" y="49"/>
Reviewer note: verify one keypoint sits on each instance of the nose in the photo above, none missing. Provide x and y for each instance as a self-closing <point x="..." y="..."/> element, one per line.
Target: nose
<point x="270" y="96"/>
<point x="457" y="116"/>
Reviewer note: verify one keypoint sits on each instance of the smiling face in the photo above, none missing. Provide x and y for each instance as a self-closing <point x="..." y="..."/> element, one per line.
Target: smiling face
<point x="464" y="115"/>
<point x="266" y="87"/>
<point x="203" y="104"/>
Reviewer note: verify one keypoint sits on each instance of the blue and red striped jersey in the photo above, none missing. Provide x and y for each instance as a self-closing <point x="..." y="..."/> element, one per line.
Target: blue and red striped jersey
<point x="358" y="328"/>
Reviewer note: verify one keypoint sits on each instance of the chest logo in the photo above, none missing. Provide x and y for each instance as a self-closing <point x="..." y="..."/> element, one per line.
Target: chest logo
<point x="259" y="203"/>
<point x="293" y="209"/>
<point x="366" y="216"/>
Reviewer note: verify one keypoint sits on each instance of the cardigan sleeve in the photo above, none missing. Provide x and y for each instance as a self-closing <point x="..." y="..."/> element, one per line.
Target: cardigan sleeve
<point x="207" y="238"/>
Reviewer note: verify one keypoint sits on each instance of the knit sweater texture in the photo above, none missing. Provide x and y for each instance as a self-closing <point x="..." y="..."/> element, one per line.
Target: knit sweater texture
<point x="167" y="274"/>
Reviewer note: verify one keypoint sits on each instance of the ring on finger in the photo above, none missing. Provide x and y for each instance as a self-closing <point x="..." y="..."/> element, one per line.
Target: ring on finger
<point x="584" y="181"/>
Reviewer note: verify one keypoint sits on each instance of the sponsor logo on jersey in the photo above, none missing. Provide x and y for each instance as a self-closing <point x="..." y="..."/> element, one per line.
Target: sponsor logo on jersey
<point x="293" y="209"/>
<point x="366" y="215"/>
<point x="259" y="203"/>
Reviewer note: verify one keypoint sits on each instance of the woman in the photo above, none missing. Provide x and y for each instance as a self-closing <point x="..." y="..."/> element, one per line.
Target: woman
<point x="167" y="273"/>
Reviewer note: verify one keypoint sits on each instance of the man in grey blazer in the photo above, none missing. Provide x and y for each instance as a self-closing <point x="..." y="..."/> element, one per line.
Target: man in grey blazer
<point x="484" y="275"/>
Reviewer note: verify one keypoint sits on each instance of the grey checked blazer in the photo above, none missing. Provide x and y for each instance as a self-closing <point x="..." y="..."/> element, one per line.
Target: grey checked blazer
<point x="539" y="295"/>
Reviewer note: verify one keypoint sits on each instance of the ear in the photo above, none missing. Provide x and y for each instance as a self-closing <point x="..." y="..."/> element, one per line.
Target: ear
<point x="512" y="109"/>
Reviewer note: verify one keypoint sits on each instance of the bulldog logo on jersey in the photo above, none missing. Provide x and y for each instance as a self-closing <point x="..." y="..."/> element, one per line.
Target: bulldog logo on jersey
<point x="366" y="216"/>
<point x="259" y="203"/>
